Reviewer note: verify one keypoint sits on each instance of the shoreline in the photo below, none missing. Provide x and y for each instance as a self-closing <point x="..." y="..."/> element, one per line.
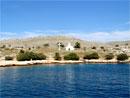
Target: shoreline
<point x="38" y="62"/>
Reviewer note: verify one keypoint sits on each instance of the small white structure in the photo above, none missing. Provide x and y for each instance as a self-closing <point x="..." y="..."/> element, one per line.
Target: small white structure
<point x="59" y="46"/>
<point x="69" y="47"/>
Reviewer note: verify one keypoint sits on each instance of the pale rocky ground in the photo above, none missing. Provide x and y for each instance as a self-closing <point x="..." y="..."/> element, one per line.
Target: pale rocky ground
<point x="13" y="46"/>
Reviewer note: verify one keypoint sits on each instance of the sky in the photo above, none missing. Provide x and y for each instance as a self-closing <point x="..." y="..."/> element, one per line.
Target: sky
<point x="91" y="20"/>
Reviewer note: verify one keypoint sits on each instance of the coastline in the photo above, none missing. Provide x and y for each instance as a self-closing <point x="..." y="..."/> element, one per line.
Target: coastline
<point x="44" y="62"/>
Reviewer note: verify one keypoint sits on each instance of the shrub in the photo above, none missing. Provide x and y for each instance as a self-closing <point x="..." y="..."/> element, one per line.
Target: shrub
<point x="21" y="51"/>
<point x="46" y="45"/>
<point x="91" y="56"/>
<point x="77" y="45"/>
<point x="57" y="56"/>
<point x="3" y="46"/>
<point x="94" y="47"/>
<point x="87" y="56"/>
<point x="109" y="56"/>
<point x="102" y="47"/>
<point x="62" y="45"/>
<point x="8" y="58"/>
<point x="29" y="48"/>
<point x="71" y="56"/>
<point x="26" y="56"/>
<point x="122" y="57"/>
<point x="40" y="56"/>
<point x="116" y="45"/>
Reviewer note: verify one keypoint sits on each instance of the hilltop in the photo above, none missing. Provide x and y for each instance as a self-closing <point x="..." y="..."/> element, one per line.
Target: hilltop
<point x="53" y="40"/>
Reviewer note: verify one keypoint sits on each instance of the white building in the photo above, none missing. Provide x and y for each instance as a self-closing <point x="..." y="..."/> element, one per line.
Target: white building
<point x="69" y="47"/>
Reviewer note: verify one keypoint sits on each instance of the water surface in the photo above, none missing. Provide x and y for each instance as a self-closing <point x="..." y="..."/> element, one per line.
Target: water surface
<point x="66" y="81"/>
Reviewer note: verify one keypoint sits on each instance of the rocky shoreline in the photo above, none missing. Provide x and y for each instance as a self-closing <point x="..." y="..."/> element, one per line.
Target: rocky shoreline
<point x="37" y="62"/>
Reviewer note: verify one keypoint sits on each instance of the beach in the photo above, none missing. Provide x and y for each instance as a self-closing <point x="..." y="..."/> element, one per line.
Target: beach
<point x="4" y="63"/>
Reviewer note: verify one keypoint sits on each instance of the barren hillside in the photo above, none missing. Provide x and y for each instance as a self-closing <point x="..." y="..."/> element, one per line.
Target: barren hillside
<point x="52" y="41"/>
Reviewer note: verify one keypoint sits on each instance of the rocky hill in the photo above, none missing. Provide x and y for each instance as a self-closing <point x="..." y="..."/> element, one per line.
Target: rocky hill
<point x="53" y="40"/>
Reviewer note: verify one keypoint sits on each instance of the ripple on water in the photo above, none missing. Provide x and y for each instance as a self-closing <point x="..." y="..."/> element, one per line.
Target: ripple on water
<point x="79" y="81"/>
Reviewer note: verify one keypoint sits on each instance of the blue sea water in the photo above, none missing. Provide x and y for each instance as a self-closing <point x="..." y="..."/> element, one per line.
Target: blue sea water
<point x="66" y="81"/>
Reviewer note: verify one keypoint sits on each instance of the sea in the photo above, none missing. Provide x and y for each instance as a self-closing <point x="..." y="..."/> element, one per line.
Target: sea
<point x="65" y="81"/>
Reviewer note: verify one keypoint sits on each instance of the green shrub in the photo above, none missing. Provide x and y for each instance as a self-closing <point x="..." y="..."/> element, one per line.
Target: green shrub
<point x="87" y="56"/>
<point x="109" y="56"/>
<point x="8" y="58"/>
<point x="26" y="56"/>
<point x="71" y="56"/>
<point x="57" y="56"/>
<point x="21" y="51"/>
<point x="40" y="56"/>
<point x="77" y="45"/>
<point x="94" y="47"/>
<point x="122" y="57"/>
<point x="91" y="56"/>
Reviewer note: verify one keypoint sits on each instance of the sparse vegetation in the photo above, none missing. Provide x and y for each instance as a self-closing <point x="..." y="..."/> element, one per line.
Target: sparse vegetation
<point x="71" y="56"/>
<point x="33" y="43"/>
<point x="26" y="56"/>
<point x="109" y="56"/>
<point x="46" y="45"/>
<point x="122" y="57"/>
<point x="57" y="56"/>
<point x="8" y="58"/>
<point x="91" y="56"/>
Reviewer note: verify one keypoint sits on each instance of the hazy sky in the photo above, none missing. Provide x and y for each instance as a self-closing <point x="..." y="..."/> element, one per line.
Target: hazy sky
<point x="93" y="20"/>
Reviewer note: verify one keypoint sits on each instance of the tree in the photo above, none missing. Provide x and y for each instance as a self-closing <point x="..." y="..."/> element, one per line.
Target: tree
<point x="71" y="56"/>
<point x="57" y="56"/>
<point x="122" y="57"/>
<point x="109" y="56"/>
<point x="46" y="45"/>
<point x="77" y="45"/>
